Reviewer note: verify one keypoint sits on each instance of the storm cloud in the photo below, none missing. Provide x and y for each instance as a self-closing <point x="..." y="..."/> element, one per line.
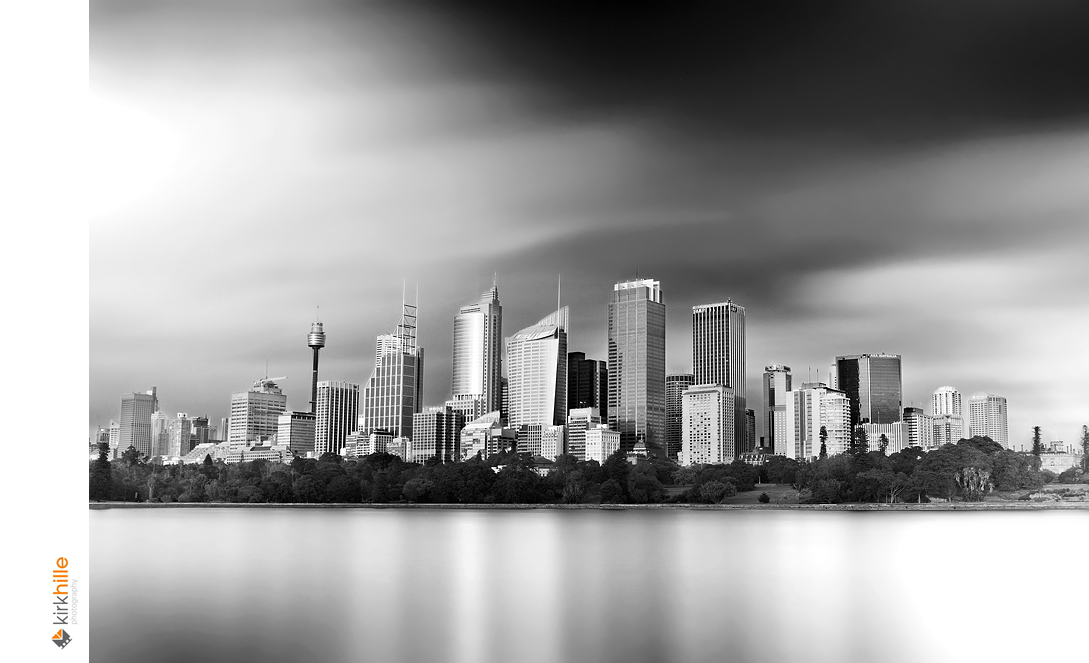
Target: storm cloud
<point x="861" y="177"/>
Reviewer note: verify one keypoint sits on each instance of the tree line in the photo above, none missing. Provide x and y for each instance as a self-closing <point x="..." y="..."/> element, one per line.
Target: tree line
<point x="968" y="470"/>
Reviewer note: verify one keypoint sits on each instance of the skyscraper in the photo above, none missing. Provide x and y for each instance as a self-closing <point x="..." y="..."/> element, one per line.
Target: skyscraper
<point x="637" y="332"/>
<point x="718" y="355"/>
<point x="813" y="406"/>
<point x="336" y="416"/>
<point x="478" y="356"/>
<point x="946" y="400"/>
<point x="160" y="433"/>
<point x="537" y="372"/>
<point x="708" y="425"/>
<point x="181" y="428"/>
<point x="579" y="420"/>
<point x="874" y="385"/>
<point x="920" y="428"/>
<point x="135" y="425"/>
<point x="777" y="387"/>
<point x="987" y="416"/>
<point x="255" y="413"/>
<point x="394" y="392"/>
<point x="587" y="382"/>
<point x="675" y="386"/>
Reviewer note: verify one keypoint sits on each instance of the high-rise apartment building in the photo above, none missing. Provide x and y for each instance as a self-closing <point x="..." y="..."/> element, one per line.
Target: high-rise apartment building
<point x="946" y="400"/>
<point x="874" y="385"/>
<point x="708" y="426"/>
<point x="947" y="429"/>
<point x="181" y="428"/>
<point x="255" y="413"/>
<point x="336" y="415"/>
<point x="394" y="393"/>
<point x="811" y="407"/>
<point x="160" y="433"/>
<point x="134" y="429"/>
<point x="718" y="356"/>
<point x="675" y="386"/>
<point x="777" y="387"/>
<point x="637" y="333"/>
<point x="537" y="372"/>
<point x="436" y="433"/>
<point x="987" y="416"/>
<point x="587" y="382"/>
<point x="478" y="357"/>
<point x="296" y="431"/>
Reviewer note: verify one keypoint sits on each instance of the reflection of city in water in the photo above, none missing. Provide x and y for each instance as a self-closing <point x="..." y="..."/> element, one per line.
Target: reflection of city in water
<point x="283" y="584"/>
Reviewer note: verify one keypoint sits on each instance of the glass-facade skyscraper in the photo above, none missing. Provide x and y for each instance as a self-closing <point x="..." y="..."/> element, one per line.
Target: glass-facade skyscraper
<point x="478" y="356"/>
<point x="135" y="426"/>
<point x="587" y="382"/>
<point x="637" y="330"/>
<point x="537" y="372"/>
<point x="874" y="385"/>
<point x="675" y="386"/>
<point x="718" y="356"/>
<point x="394" y="392"/>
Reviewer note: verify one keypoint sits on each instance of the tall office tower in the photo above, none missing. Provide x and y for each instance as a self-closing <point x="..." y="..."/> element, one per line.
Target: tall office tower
<point x="315" y="340"/>
<point x="135" y="426"/>
<point x="181" y="427"/>
<point x="750" y="429"/>
<point x="874" y="384"/>
<point x="255" y="413"/>
<point x="987" y="416"/>
<point x="637" y="332"/>
<point x="777" y="387"/>
<point x="587" y="382"/>
<point x="580" y="420"/>
<point x="336" y="415"/>
<point x="160" y="433"/>
<point x="478" y="357"/>
<point x="920" y="428"/>
<point x="718" y="356"/>
<point x="675" y="386"/>
<point x="946" y="400"/>
<point x="815" y="405"/>
<point x="296" y="430"/>
<point x="224" y="428"/>
<point x="708" y="426"/>
<point x="537" y="372"/>
<point x="200" y="433"/>
<point x="436" y="433"/>
<point x="394" y="392"/>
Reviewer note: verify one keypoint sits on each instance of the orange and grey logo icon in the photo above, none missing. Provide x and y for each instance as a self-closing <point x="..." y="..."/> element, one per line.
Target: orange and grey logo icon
<point x="61" y="639"/>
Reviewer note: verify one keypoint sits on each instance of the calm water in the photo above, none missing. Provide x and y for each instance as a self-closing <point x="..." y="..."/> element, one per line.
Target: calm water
<point x="392" y="585"/>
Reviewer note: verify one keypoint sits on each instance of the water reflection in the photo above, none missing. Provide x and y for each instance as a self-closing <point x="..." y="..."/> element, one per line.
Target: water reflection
<point x="541" y="586"/>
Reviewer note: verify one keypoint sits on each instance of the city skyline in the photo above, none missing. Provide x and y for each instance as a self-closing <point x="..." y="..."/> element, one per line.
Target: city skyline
<point x="293" y="159"/>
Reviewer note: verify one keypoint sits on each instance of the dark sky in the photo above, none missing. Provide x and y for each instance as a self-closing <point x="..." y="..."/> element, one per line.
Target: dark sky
<point x="862" y="177"/>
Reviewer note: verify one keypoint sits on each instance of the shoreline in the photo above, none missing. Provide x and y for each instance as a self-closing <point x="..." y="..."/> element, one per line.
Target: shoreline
<point x="944" y="506"/>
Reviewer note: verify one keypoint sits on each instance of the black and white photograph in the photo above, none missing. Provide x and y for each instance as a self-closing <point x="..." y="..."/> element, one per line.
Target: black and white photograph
<point x="552" y="332"/>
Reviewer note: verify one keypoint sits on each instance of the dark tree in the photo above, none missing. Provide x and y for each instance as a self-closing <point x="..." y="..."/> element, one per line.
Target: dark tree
<point x="1085" y="448"/>
<point x="1037" y="448"/>
<point x="884" y="440"/>
<point x="860" y="442"/>
<point x="824" y="442"/>
<point x="132" y="457"/>
<point x="101" y="477"/>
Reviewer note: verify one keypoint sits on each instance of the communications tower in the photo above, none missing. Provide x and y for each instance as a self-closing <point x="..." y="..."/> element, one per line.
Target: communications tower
<point x="315" y="340"/>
